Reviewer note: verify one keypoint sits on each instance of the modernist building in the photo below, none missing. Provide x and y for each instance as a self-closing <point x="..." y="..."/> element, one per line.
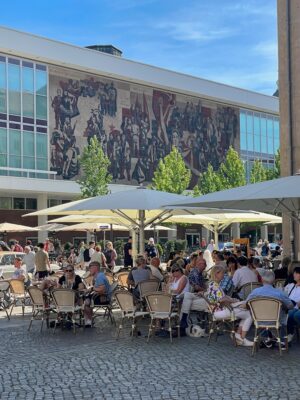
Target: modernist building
<point x="55" y="96"/>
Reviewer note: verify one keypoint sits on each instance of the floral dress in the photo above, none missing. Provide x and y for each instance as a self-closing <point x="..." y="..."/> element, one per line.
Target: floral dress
<point x="214" y="294"/>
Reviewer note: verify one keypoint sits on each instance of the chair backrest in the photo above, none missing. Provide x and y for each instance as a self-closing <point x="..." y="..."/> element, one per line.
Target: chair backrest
<point x="109" y="277"/>
<point x="4" y="286"/>
<point x="17" y="286"/>
<point x="159" y="302"/>
<point x="125" y="300"/>
<point x="122" y="278"/>
<point x="148" y="286"/>
<point x="88" y="281"/>
<point x="265" y="309"/>
<point x="64" y="297"/>
<point x="246" y="289"/>
<point x="37" y="296"/>
<point x="279" y="283"/>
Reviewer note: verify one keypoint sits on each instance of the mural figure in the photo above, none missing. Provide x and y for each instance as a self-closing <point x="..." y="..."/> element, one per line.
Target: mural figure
<point x="137" y="132"/>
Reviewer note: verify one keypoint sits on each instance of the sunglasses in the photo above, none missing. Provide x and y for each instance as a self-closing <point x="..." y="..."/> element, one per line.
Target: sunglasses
<point x="69" y="270"/>
<point x="176" y="270"/>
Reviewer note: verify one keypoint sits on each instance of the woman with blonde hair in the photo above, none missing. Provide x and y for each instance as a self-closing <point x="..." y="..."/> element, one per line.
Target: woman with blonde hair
<point x="219" y="300"/>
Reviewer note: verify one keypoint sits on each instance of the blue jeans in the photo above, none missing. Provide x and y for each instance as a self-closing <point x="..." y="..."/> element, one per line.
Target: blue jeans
<point x="293" y="319"/>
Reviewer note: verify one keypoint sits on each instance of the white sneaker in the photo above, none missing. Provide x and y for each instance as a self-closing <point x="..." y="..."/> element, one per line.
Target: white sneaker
<point x="87" y="322"/>
<point x="238" y="336"/>
<point x="290" y="337"/>
<point x="245" y="342"/>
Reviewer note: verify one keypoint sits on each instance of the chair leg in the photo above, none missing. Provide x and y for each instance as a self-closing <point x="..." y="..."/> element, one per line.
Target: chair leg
<point x="170" y="330"/>
<point x="211" y="331"/>
<point x="279" y="341"/>
<point x="7" y="314"/>
<point x="31" y="320"/>
<point x="12" y="307"/>
<point x="42" y="324"/>
<point x="254" y="347"/>
<point x="119" y="328"/>
<point x="150" y="329"/>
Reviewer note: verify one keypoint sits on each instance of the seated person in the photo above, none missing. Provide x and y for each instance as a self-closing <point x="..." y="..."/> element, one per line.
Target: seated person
<point x="70" y="279"/>
<point x="243" y="274"/>
<point x="195" y="276"/>
<point x="20" y="272"/>
<point x="293" y="292"/>
<point x="155" y="270"/>
<point x="267" y="290"/>
<point x="219" y="259"/>
<point x="192" y="264"/>
<point x="217" y="297"/>
<point x="282" y="271"/>
<point x="101" y="287"/>
<point x="178" y="283"/>
<point x="138" y="274"/>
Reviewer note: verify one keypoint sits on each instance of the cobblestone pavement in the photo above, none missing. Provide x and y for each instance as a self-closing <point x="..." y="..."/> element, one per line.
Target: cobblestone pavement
<point x="91" y="364"/>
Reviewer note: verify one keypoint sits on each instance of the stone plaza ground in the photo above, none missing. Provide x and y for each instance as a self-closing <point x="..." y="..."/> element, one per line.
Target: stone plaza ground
<point x="92" y="365"/>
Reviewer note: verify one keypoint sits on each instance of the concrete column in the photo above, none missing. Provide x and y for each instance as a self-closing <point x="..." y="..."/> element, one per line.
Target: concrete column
<point x="42" y="202"/>
<point x="264" y="232"/>
<point x="289" y="96"/>
<point x="236" y="230"/>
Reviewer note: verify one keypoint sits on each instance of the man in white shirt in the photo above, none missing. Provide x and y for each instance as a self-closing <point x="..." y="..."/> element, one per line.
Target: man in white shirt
<point x="154" y="266"/>
<point x="244" y="274"/>
<point x="28" y="259"/>
<point x="211" y="247"/>
<point x="20" y="273"/>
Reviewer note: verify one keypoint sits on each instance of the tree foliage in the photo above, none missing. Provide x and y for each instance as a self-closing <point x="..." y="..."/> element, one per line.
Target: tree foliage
<point x="171" y="174"/>
<point x="258" y="172"/>
<point x="232" y="170"/>
<point x="208" y="182"/>
<point x="95" y="176"/>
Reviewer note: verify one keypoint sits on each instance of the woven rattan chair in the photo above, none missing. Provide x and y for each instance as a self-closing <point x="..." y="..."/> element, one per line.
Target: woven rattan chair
<point x="40" y="306"/>
<point x="122" y="279"/>
<point x="88" y="280"/>
<point x="160" y="308"/>
<point x="109" y="277"/>
<point x="106" y="304"/>
<point x="18" y="294"/>
<point x="246" y="289"/>
<point x="5" y="300"/>
<point x="266" y="312"/>
<point x="64" y="300"/>
<point x="125" y="301"/>
<point x="279" y="283"/>
<point x="215" y="326"/>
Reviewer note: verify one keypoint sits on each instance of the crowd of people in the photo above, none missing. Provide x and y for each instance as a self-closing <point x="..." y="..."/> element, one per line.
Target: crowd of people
<point x="203" y="279"/>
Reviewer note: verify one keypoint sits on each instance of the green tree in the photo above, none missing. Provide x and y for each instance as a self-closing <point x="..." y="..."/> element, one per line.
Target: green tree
<point x="258" y="172"/>
<point x="274" y="173"/>
<point x="171" y="174"/>
<point x="94" y="164"/>
<point x="208" y="182"/>
<point x="232" y="170"/>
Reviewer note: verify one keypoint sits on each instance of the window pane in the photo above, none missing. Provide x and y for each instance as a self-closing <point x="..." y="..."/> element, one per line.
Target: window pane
<point x="14" y="142"/>
<point x="14" y="161"/>
<point x="250" y="146"/>
<point x="28" y="144"/>
<point x="3" y="141"/>
<point x="41" y="107"/>
<point x="270" y="128"/>
<point x="3" y="160"/>
<point x="28" y="105"/>
<point x="263" y="126"/>
<point x="270" y="145"/>
<point x="276" y="145"/>
<point x="243" y="141"/>
<point x="5" y="203"/>
<point x="263" y="144"/>
<point x="18" y="203"/>
<point x="243" y="122"/>
<point x="41" y="146"/>
<point x="276" y="128"/>
<point x="249" y="123"/>
<point x="256" y="125"/>
<point x="2" y="87"/>
<point x="15" y="103"/>
<point x="41" y="82"/>
<point x="28" y="162"/>
<point x="42" y="164"/>
<point x="27" y="80"/>
<point x="31" y="204"/>
<point x="257" y="143"/>
<point x="14" y="82"/>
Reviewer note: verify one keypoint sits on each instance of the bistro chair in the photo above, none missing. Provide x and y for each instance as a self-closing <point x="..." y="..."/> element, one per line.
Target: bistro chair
<point x="146" y="287"/>
<point x="246" y="289"/>
<point x="64" y="301"/>
<point x="266" y="316"/>
<point x="100" y="303"/>
<point x="5" y="300"/>
<point x="18" y="294"/>
<point x="125" y="302"/>
<point x="160" y="308"/>
<point x="40" y="306"/>
<point x="122" y="279"/>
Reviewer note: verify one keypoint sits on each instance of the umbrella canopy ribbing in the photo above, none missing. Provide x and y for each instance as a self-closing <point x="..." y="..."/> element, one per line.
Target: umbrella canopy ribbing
<point x="8" y="227"/>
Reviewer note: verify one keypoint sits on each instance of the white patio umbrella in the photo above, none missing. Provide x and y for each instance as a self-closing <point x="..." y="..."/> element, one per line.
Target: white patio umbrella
<point x="275" y="196"/>
<point x="50" y="227"/>
<point x="216" y="223"/>
<point x="8" y="227"/>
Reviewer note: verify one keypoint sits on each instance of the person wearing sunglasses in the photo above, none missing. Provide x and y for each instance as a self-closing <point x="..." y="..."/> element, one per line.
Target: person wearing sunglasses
<point x="70" y="279"/>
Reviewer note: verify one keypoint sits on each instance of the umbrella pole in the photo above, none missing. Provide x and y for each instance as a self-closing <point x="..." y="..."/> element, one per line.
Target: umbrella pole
<point x="142" y="232"/>
<point x="216" y="236"/>
<point x="133" y="244"/>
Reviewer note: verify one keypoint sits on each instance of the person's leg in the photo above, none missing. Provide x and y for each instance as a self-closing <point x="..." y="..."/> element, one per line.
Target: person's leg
<point x="291" y="321"/>
<point x="245" y="323"/>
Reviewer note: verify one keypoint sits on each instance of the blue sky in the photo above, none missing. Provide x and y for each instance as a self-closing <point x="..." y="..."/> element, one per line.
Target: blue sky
<point x="230" y="41"/>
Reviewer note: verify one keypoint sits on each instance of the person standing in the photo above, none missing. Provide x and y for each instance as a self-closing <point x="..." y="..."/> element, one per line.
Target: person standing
<point x="211" y="247"/>
<point x="128" y="261"/>
<point x="87" y="254"/>
<point x="42" y="262"/>
<point x="110" y="255"/>
<point x="150" y="249"/>
<point x="28" y="259"/>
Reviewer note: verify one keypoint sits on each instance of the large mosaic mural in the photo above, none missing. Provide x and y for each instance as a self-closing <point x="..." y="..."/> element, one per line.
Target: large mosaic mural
<point x="136" y="125"/>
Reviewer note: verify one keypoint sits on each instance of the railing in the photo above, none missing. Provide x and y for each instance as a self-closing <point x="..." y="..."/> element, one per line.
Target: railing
<point x="28" y="173"/>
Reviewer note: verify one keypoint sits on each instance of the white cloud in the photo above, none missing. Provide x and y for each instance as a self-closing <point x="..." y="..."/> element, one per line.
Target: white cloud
<point x="266" y="49"/>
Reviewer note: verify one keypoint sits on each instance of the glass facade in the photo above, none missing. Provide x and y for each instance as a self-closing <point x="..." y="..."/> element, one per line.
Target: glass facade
<point x="259" y="138"/>
<point x="23" y="117"/>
